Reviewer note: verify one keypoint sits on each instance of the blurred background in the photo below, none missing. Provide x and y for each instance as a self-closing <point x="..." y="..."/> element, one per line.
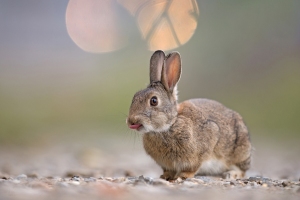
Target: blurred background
<point x="69" y="69"/>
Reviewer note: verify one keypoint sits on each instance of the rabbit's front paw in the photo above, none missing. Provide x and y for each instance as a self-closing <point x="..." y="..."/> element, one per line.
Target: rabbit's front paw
<point x="168" y="175"/>
<point x="233" y="174"/>
<point x="185" y="175"/>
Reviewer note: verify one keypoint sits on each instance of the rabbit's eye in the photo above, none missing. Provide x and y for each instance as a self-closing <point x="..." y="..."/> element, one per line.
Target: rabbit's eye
<point x="153" y="101"/>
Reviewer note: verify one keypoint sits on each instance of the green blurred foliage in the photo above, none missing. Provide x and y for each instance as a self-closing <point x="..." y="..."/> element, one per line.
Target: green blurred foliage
<point x="244" y="54"/>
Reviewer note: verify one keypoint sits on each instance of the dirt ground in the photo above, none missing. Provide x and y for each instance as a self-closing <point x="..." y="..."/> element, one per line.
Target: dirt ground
<point x="117" y="168"/>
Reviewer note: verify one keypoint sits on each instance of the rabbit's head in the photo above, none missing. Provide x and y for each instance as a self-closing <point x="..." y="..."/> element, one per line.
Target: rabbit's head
<point x="154" y="109"/>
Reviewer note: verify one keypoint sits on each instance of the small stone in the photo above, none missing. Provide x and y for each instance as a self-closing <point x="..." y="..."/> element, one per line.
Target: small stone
<point x="266" y="179"/>
<point x="254" y="184"/>
<point x="179" y="180"/>
<point x="15" y="181"/>
<point x="148" y="180"/>
<point x="91" y="179"/>
<point x="109" y="179"/>
<point x="203" y="178"/>
<point x="119" y="180"/>
<point x="21" y="177"/>
<point x="75" y="182"/>
<point x="286" y="183"/>
<point x="141" y="178"/>
<point x="195" y="180"/>
<point x="189" y="184"/>
<point x="55" y="178"/>
<point x="75" y="178"/>
<point x="131" y="178"/>
<point x="226" y="183"/>
<point x="252" y="179"/>
<point x="4" y="178"/>
<point x="128" y="182"/>
<point x="264" y="185"/>
<point x="159" y="181"/>
<point x="233" y="182"/>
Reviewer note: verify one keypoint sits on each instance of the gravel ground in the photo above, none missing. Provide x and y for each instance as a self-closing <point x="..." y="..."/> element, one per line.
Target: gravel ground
<point x="116" y="170"/>
<point x="145" y="188"/>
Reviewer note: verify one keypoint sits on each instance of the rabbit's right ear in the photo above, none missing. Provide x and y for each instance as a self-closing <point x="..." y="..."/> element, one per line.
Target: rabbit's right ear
<point x="156" y="65"/>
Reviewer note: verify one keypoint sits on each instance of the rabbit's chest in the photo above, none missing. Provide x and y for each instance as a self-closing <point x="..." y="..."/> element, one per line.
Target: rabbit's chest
<point x="167" y="151"/>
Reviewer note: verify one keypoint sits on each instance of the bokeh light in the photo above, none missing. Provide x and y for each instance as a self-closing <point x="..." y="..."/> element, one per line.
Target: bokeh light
<point x="164" y="24"/>
<point x="94" y="25"/>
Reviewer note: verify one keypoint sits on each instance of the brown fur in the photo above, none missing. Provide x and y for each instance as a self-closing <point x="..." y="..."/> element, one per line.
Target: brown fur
<point x="190" y="137"/>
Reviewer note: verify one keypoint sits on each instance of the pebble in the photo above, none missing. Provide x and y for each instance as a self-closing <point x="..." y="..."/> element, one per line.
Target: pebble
<point x="75" y="178"/>
<point x="140" y="180"/>
<point x="109" y="179"/>
<point x="159" y="181"/>
<point x="149" y="180"/>
<point x="119" y="180"/>
<point x="203" y="178"/>
<point x="252" y="179"/>
<point x="227" y="184"/>
<point x="178" y="180"/>
<point x="195" y="180"/>
<point x="91" y="179"/>
<point x="190" y="184"/>
<point x="233" y="182"/>
<point x="21" y="177"/>
<point x="264" y="185"/>
<point x="75" y="182"/>
<point x="254" y="184"/>
<point x="258" y="180"/>
<point x="286" y="183"/>
<point x="3" y="178"/>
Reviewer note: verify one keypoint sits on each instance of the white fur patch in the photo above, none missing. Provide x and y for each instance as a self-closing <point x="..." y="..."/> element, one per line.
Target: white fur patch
<point x="149" y="128"/>
<point x="212" y="166"/>
<point x="179" y="166"/>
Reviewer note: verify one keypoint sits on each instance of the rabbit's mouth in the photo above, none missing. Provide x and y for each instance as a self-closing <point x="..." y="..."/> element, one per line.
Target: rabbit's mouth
<point x="135" y="126"/>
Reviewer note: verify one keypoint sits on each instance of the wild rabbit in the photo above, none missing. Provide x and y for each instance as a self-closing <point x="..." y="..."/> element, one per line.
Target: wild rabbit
<point x="197" y="136"/>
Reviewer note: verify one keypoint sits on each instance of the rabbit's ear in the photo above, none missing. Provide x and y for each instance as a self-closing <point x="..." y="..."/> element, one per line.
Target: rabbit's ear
<point x="172" y="70"/>
<point x="156" y="65"/>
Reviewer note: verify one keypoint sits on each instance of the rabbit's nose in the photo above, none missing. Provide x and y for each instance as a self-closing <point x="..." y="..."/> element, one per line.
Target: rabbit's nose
<point x="129" y="121"/>
<point x="132" y="123"/>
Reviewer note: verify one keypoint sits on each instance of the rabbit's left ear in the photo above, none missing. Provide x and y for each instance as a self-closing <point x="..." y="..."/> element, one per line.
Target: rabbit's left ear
<point x="172" y="71"/>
